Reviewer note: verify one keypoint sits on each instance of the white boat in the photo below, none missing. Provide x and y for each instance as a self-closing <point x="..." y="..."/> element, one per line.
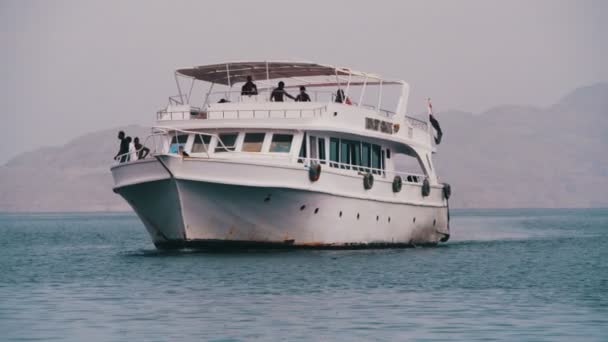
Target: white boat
<point x="335" y="172"/>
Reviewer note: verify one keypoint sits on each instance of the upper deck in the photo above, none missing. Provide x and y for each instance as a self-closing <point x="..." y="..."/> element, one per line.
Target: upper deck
<point x="341" y="99"/>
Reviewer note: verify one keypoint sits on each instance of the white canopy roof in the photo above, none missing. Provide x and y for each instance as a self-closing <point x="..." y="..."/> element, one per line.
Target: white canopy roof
<point x="304" y="72"/>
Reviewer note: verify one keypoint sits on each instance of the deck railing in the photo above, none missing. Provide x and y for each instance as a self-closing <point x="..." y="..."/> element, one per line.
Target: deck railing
<point x="409" y="177"/>
<point x="417" y="123"/>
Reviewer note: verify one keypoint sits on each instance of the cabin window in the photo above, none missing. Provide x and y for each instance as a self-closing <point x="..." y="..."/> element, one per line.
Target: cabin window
<point x="322" y="150"/>
<point x="201" y="143"/>
<point x="229" y="140"/>
<point x="376" y="163"/>
<point x="355" y="153"/>
<point x="366" y="150"/>
<point x="313" y="148"/>
<point x="344" y="154"/>
<point x="383" y="160"/>
<point x="334" y="151"/>
<point x="177" y="141"/>
<point x="302" y="153"/>
<point x="388" y="153"/>
<point x="253" y="142"/>
<point x="281" y="143"/>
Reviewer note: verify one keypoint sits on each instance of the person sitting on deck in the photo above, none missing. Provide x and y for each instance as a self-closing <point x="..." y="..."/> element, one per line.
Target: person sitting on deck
<point x="302" y="97"/>
<point x="182" y="152"/>
<point x="341" y="98"/>
<point x="277" y="93"/>
<point x="122" y="155"/>
<point x="142" y="151"/>
<point x="249" y="88"/>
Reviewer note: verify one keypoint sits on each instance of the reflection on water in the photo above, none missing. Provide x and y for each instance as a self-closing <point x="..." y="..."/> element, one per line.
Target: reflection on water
<point x="510" y="274"/>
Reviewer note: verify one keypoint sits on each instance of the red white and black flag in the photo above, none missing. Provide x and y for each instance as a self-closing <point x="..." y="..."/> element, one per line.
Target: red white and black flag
<point x="434" y="123"/>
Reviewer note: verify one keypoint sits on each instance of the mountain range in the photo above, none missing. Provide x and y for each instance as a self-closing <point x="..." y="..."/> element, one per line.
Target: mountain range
<point x="507" y="157"/>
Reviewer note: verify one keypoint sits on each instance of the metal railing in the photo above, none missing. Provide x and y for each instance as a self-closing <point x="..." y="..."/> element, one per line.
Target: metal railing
<point x="417" y="123"/>
<point x="264" y="95"/>
<point x="409" y="177"/>
<point x="153" y="150"/>
<point x="197" y="114"/>
<point x="267" y="113"/>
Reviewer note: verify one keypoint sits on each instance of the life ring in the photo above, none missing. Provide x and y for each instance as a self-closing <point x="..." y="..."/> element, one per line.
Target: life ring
<point x="397" y="183"/>
<point x="314" y="172"/>
<point x="447" y="190"/>
<point x="426" y="187"/>
<point x="368" y="181"/>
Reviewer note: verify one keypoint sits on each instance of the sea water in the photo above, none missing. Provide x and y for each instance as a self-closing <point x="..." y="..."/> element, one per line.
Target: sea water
<point x="504" y="275"/>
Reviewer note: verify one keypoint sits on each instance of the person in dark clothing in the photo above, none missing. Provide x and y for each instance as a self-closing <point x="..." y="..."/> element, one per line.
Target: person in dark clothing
<point x="249" y="88"/>
<point x="142" y="151"/>
<point x="124" y="148"/>
<point x="340" y="96"/>
<point x="277" y="93"/>
<point x="302" y="97"/>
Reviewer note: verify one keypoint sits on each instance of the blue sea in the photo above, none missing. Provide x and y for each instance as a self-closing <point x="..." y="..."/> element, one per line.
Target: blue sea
<point x="519" y="275"/>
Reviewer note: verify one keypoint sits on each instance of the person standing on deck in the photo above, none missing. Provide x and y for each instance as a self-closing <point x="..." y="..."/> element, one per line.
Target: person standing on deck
<point x="123" y="149"/>
<point x="142" y="151"/>
<point x="249" y="88"/>
<point x="302" y="97"/>
<point x="277" y="93"/>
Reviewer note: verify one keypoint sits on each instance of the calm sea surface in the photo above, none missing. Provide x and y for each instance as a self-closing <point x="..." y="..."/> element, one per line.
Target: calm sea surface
<point x="505" y="274"/>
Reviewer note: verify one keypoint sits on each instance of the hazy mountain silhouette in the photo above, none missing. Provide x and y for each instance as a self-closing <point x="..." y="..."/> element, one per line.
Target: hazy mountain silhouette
<point x="508" y="156"/>
<point x="514" y="156"/>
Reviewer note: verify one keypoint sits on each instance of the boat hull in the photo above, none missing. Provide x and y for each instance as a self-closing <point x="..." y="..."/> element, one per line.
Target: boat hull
<point x="198" y="214"/>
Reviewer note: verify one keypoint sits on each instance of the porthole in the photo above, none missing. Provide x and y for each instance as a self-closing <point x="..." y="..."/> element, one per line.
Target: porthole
<point x="303" y="207"/>
<point x="434" y="221"/>
<point x="357" y="216"/>
<point x="316" y="210"/>
<point x="340" y="214"/>
<point x="267" y="199"/>
<point x="414" y="220"/>
<point x="377" y="218"/>
<point x="389" y="219"/>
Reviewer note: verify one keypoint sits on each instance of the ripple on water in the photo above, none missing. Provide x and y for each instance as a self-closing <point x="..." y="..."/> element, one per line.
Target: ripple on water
<point x="512" y="274"/>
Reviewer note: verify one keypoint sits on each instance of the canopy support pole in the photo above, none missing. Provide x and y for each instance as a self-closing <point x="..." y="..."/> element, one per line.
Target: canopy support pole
<point x="379" y="97"/>
<point x="190" y="92"/>
<point x="179" y="89"/>
<point x="208" y="94"/>
<point x="228" y="79"/>
<point x="362" y="91"/>
<point x="347" y="86"/>
<point x="268" y="80"/>
<point x="338" y="81"/>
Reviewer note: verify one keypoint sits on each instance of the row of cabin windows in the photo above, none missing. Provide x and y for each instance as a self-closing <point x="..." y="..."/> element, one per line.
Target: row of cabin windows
<point x="347" y="154"/>
<point x="252" y="142"/>
<point x="343" y="153"/>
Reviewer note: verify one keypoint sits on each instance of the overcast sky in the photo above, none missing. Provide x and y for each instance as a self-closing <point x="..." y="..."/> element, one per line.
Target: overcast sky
<point x="72" y="67"/>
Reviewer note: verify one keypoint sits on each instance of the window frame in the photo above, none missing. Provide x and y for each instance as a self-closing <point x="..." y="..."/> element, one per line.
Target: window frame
<point x="206" y="145"/>
<point x="261" y="143"/>
<point x="273" y="134"/>
<point x="229" y="148"/>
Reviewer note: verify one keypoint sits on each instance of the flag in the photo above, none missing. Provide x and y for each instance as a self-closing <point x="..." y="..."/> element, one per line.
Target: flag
<point x="434" y="122"/>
